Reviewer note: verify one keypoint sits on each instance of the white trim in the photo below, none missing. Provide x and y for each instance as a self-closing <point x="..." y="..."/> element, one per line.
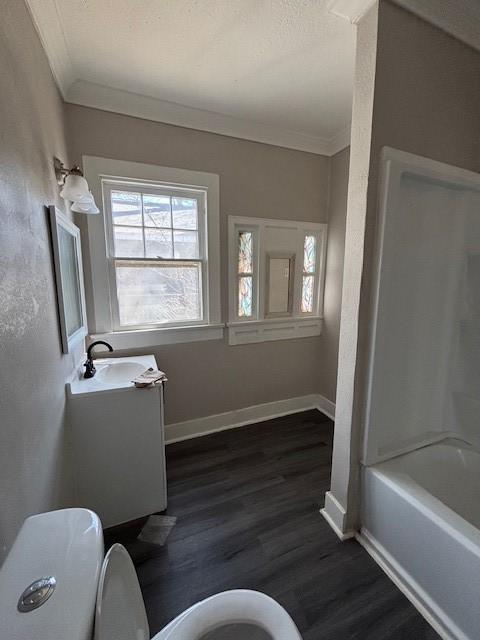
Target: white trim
<point x="460" y="19"/>
<point x="335" y="515"/>
<point x="100" y="317"/>
<point x="97" y="96"/>
<point x="153" y="337"/>
<point x="273" y="329"/>
<point x="445" y="627"/>
<point x="351" y="10"/>
<point x="49" y="27"/>
<point x="259" y="328"/>
<point x="198" y="427"/>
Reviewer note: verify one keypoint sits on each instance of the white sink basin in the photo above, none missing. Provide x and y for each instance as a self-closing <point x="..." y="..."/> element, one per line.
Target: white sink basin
<point x="118" y="372"/>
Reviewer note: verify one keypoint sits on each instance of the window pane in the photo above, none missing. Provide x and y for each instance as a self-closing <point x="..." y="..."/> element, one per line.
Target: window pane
<point x="309" y="254"/>
<point x="245" y="252"/>
<point x="156" y="211"/>
<point x="158" y="243"/>
<point x="152" y="294"/>
<point x="245" y="301"/>
<point x="126" y="208"/>
<point x="184" y="213"/>
<point x="307" y="294"/>
<point x="186" y="244"/>
<point x="128" y="242"/>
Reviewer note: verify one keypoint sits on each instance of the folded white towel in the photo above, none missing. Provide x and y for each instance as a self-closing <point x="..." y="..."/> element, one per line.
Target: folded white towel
<point x="149" y="378"/>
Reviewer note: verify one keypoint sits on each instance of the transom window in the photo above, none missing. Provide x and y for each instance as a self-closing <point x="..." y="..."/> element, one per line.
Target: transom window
<point x="157" y="256"/>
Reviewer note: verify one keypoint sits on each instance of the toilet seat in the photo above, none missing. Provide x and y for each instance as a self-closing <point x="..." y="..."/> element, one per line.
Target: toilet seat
<point x="236" y="606"/>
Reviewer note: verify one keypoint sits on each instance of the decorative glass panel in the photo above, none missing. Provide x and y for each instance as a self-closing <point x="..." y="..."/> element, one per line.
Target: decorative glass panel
<point x="245" y="301"/>
<point x="307" y="294"/>
<point x="158" y="243"/>
<point x="126" y="208"/>
<point x="309" y="254"/>
<point x="155" y="293"/>
<point x="156" y="211"/>
<point x="245" y="252"/>
<point x="185" y="244"/>
<point x="184" y="212"/>
<point x="128" y="242"/>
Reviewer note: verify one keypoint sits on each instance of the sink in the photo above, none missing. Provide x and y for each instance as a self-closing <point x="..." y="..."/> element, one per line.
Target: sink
<point x="118" y="372"/>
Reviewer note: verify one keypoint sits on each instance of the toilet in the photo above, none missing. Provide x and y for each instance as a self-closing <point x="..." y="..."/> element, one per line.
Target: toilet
<point x="56" y="584"/>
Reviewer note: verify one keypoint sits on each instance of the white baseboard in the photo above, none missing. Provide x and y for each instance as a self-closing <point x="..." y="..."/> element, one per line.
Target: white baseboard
<point x="335" y="515"/>
<point x="249" y="415"/>
<point x="445" y="627"/>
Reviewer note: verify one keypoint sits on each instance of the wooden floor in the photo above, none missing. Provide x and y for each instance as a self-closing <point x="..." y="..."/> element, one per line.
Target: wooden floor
<point x="247" y="502"/>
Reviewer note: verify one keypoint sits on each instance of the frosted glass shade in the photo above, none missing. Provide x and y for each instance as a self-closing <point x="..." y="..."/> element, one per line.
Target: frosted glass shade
<point x="85" y="207"/>
<point x="75" y="189"/>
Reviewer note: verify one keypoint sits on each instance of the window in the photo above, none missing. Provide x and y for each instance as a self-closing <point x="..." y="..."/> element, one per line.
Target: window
<point x="155" y="254"/>
<point x="156" y="247"/>
<point x="276" y="279"/>
<point x="309" y="273"/>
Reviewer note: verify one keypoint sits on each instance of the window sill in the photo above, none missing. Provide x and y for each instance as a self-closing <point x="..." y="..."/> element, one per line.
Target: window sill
<point x="244" y="332"/>
<point x="155" y="337"/>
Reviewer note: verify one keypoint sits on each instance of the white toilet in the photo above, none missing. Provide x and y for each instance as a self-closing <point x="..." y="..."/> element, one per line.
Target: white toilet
<point x="55" y="584"/>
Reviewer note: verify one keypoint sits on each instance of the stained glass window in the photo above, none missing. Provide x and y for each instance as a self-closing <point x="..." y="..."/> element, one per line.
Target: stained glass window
<point x="309" y="254"/>
<point x="245" y="252"/>
<point x="308" y="277"/>
<point x="245" y="274"/>
<point x="245" y="296"/>
<point x="307" y="294"/>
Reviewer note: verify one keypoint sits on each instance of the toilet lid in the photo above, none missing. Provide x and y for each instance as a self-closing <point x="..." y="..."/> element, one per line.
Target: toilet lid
<point x="120" y="612"/>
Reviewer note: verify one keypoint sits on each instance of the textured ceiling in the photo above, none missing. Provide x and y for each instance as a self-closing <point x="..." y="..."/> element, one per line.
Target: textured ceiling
<point x="285" y="63"/>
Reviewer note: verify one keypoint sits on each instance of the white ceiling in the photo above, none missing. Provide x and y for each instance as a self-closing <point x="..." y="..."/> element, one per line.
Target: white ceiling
<point x="280" y="71"/>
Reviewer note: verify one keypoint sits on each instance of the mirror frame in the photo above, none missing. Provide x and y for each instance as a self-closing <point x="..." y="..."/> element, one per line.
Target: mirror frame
<point x="59" y="220"/>
<point x="275" y="255"/>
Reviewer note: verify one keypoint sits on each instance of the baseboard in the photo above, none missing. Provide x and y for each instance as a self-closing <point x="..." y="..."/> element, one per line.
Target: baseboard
<point x="179" y="431"/>
<point x="335" y="515"/>
<point x="445" y="628"/>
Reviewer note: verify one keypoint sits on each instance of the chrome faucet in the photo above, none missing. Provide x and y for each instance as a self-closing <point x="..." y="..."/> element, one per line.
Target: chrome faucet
<point x="90" y="370"/>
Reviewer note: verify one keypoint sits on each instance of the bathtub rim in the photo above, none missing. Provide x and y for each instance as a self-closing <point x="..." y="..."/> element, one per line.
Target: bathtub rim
<point x="440" y="513"/>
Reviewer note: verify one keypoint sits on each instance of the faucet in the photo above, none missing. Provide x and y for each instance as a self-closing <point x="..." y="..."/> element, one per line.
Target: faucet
<point x="88" y="364"/>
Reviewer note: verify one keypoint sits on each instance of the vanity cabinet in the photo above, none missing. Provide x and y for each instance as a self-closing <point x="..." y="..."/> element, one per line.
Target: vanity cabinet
<point x="118" y="446"/>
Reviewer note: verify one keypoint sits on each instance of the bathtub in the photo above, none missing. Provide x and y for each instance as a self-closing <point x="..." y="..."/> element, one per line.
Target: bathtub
<point x="421" y="522"/>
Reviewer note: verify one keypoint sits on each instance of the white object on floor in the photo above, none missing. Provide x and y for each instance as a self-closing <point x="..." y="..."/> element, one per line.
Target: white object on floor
<point x="66" y="547"/>
<point x="157" y="529"/>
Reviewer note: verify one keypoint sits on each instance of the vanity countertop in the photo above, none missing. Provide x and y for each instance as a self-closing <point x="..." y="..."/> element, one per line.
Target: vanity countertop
<point x="102" y="382"/>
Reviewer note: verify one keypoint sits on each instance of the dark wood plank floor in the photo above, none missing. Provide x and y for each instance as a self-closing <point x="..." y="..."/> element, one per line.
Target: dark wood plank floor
<point x="247" y="502"/>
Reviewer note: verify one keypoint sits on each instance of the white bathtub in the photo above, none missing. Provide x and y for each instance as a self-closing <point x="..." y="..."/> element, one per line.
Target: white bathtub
<point x="421" y="521"/>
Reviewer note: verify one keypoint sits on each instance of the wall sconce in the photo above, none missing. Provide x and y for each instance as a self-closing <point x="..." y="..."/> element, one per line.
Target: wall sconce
<point x="75" y="188"/>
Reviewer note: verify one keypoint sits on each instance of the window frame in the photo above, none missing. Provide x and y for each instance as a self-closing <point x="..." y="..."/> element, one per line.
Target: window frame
<point x="261" y="327"/>
<point x="105" y="175"/>
<point x="134" y="187"/>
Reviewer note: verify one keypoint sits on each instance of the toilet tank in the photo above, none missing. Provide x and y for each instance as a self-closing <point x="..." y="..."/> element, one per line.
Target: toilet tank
<point x="66" y="549"/>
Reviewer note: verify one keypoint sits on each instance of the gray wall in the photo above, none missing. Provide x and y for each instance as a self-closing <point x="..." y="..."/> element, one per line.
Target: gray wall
<point x="34" y="472"/>
<point x="255" y="180"/>
<point x="426" y="100"/>
<point x="337" y="211"/>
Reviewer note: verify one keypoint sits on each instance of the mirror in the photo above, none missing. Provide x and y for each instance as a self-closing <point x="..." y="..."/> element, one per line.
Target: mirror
<point x="280" y="274"/>
<point x="67" y="259"/>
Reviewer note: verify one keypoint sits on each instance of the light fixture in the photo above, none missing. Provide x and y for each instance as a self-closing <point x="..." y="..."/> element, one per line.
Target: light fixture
<point x="75" y="188"/>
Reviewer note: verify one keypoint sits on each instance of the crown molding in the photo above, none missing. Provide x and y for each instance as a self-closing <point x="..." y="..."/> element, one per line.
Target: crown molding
<point x="351" y="10"/>
<point x="98" y="96"/>
<point x="459" y="18"/>
<point x="47" y="22"/>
